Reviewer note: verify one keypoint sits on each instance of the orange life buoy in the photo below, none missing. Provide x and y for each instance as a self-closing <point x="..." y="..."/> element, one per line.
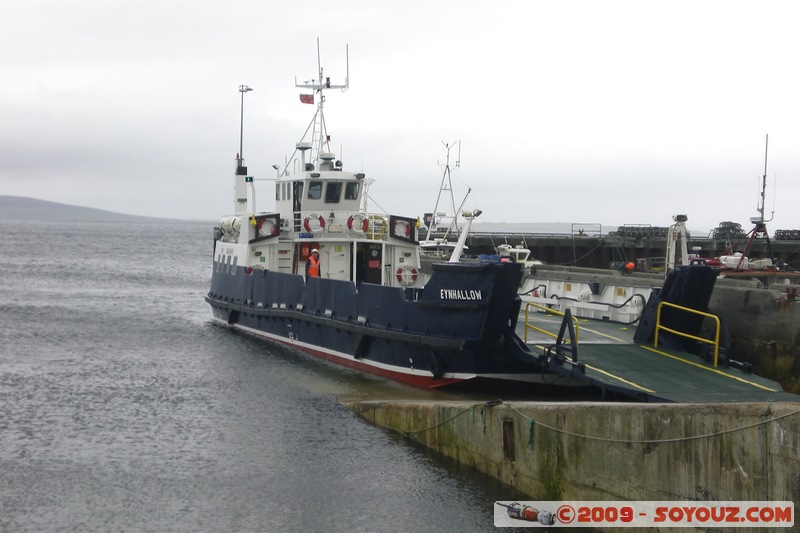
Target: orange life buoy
<point x="269" y="231"/>
<point x="407" y="275"/>
<point x="352" y="225"/>
<point x="320" y="226"/>
<point x="407" y="230"/>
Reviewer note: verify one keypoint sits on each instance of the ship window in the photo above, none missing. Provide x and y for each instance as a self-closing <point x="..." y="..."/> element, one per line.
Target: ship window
<point x="277" y="191"/>
<point x="314" y="190"/>
<point x="333" y="192"/>
<point x="351" y="190"/>
<point x="233" y="265"/>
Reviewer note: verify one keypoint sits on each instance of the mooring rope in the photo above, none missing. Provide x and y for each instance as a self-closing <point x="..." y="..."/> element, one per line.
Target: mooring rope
<point x="533" y="423"/>
<point x="443" y="422"/>
<point x="439" y="424"/>
<point x="650" y="441"/>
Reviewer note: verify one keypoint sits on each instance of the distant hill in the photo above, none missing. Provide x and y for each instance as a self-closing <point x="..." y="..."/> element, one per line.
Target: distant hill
<point x="24" y="208"/>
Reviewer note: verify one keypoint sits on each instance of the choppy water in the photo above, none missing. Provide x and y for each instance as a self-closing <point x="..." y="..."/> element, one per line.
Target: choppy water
<point x="123" y="408"/>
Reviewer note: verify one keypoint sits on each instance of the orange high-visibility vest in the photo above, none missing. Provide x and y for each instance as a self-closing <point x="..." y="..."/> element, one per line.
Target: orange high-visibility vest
<point x="313" y="267"/>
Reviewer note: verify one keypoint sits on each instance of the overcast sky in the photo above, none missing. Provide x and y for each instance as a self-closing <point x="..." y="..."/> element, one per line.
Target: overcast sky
<point x="609" y="112"/>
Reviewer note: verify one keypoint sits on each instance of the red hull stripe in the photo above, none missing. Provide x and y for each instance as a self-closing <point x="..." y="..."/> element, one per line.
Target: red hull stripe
<point x="404" y="375"/>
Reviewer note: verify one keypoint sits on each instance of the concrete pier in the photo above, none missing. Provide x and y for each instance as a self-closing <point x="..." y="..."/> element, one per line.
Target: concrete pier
<point x="764" y="329"/>
<point x="613" y="451"/>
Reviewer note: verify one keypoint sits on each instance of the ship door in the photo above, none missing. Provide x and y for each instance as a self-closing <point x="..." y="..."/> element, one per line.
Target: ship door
<point x="303" y="251"/>
<point x="369" y="263"/>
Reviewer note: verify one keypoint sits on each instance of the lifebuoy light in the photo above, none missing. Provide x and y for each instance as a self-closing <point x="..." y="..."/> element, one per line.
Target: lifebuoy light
<point x="320" y="225"/>
<point x="407" y="275"/>
<point x="354" y="225"/>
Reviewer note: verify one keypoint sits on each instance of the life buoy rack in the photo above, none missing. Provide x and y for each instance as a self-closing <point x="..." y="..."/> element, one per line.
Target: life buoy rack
<point x="358" y="223"/>
<point x="398" y="228"/>
<point x="320" y="223"/>
<point x="267" y="227"/>
<point x="407" y="275"/>
<point x="376" y="227"/>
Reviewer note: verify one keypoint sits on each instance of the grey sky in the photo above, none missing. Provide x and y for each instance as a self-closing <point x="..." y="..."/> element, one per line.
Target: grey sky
<point x="572" y="111"/>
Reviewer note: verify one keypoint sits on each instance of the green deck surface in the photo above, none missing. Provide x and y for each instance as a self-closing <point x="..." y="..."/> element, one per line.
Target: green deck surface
<point x="614" y="362"/>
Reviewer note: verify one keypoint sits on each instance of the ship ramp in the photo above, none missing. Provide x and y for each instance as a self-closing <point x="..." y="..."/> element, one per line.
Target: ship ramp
<point x="604" y="354"/>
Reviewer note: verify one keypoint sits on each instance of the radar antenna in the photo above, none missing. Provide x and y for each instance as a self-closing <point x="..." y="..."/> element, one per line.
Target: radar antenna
<point x="320" y="139"/>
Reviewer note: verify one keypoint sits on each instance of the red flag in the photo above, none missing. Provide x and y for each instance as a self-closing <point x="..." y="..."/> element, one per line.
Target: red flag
<point x="307" y="98"/>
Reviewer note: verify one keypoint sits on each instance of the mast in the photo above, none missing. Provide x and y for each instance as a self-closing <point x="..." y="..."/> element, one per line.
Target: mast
<point x="446" y="187"/>
<point x="320" y="140"/>
<point x="240" y="177"/>
<point x="759" y="222"/>
<point x="762" y="199"/>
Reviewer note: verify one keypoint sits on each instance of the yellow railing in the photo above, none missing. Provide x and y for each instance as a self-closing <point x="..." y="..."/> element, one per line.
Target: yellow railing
<point x="528" y="325"/>
<point x="715" y="342"/>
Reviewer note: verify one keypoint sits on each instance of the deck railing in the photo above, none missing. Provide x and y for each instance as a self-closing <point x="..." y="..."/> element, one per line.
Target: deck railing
<point x="528" y="325"/>
<point x="715" y="342"/>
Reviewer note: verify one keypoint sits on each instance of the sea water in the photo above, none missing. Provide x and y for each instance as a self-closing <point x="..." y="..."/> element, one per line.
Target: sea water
<point x="123" y="407"/>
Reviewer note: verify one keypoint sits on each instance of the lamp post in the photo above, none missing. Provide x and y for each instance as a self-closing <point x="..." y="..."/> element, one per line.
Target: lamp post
<point x="242" y="89"/>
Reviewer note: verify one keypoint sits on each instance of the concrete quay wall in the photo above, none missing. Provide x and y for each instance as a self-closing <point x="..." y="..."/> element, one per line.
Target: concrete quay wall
<point x="613" y="451"/>
<point x="764" y="327"/>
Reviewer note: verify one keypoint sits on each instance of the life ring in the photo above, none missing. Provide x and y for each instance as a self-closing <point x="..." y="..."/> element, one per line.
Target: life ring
<point x="320" y="226"/>
<point x="407" y="275"/>
<point x="407" y="231"/>
<point x="267" y="230"/>
<point x="376" y="227"/>
<point x="356" y="227"/>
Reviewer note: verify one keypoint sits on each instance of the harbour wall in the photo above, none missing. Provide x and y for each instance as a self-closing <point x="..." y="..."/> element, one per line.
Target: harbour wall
<point x="599" y="251"/>
<point x="612" y="451"/>
<point x="764" y="328"/>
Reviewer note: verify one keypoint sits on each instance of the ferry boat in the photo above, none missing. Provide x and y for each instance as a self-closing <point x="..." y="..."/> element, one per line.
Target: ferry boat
<point x="366" y="302"/>
<point x="371" y="306"/>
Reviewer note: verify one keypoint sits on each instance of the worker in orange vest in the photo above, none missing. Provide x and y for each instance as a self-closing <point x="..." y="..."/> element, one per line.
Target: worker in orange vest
<point x="312" y="264"/>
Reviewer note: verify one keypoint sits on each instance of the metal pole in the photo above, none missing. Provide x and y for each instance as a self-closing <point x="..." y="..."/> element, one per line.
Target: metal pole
<point x="242" y="89"/>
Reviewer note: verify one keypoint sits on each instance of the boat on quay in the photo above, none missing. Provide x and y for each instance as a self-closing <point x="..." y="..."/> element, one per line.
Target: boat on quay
<point x="363" y="301"/>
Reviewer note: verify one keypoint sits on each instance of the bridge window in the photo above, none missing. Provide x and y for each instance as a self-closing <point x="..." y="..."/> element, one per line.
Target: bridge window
<point x="351" y="190"/>
<point x="333" y="192"/>
<point x="314" y="190"/>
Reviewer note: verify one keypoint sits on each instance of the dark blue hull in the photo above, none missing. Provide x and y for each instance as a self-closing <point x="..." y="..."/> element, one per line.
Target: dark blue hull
<point x="459" y="327"/>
